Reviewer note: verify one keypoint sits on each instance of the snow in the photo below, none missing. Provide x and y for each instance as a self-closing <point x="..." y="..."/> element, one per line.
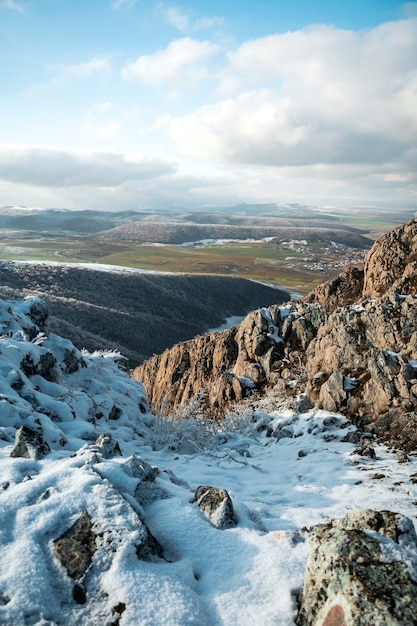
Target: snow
<point x="284" y="471"/>
<point x="228" y="323"/>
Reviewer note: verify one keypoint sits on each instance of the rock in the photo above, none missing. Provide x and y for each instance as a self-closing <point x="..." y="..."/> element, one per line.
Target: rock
<point x="397" y="428"/>
<point x="345" y="289"/>
<point x="45" y="365"/>
<point x="37" y="311"/>
<point x="136" y="467"/>
<point x="29" y="444"/>
<point x="391" y="263"/>
<point x="147" y="490"/>
<point x="221" y="368"/>
<point x="359" y="361"/>
<point x="108" y="446"/>
<point x="354" y="577"/>
<point x="76" y="547"/>
<point x="216" y="505"/>
<point x="401" y="457"/>
<point x="364" y="449"/>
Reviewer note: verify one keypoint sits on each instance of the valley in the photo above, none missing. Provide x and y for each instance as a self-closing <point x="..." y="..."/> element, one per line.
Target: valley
<point x="292" y="246"/>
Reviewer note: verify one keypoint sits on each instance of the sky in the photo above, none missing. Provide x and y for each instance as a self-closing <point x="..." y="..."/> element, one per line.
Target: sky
<point x="143" y="104"/>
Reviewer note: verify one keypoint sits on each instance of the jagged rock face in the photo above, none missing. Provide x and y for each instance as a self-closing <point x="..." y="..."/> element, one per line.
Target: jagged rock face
<point x="359" y="362"/>
<point x="355" y="577"/>
<point x="351" y="346"/>
<point x="340" y="291"/>
<point x="222" y="368"/>
<point x="391" y="263"/>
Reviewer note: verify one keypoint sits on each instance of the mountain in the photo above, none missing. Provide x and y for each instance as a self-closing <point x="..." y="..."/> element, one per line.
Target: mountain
<point x="176" y="233"/>
<point x="281" y="512"/>
<point x="61" y="220"/>
<point x="350" y="346"/>
<point x="137" y="313"/>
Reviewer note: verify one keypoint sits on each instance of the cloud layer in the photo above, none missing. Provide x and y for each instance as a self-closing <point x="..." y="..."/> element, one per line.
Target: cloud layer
<point x="55" y="168"/>
<point x="333" y="96"/>
<point x="319" y="114"/>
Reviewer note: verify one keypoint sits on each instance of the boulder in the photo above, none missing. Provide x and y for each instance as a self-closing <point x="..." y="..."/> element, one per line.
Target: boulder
<point x="108" y="446"/>
<point x="361" y="570"/>
<point x="29" y="444"/>
<point x="216" y="505"/>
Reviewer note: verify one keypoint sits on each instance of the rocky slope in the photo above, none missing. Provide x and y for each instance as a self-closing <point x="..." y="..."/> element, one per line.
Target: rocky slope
<point x="108" y="515"/>
<point x="351" y="346"/>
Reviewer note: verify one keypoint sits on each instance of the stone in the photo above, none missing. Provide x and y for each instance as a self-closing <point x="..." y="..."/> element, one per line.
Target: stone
<point x="108" y="446"/>
<point x="216" y="505"/>
<point x="356" y="577"/>
<point x="401" y="456"/>
<point x="29" y="444"/>
<point x="76" y="547"/>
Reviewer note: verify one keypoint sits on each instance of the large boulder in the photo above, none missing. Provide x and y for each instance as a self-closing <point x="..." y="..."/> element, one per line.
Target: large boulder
<point x="361" y="570"/>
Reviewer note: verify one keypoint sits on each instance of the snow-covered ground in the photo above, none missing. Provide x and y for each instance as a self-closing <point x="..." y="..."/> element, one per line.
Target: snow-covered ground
<point x="283" y="470"/>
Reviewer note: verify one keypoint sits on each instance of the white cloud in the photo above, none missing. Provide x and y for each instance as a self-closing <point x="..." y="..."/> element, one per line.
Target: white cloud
<point x="12" y="5"/>
<point x="183" y="61"/>
<point x="209" y="22"/>
<point x="332" y="96"/>
<point x="120" y="4"/>
<point x="175" y="17"/>
<point x="83" y="69"/>
<point x="56" y="168"/>
<point x="182" y="21"/>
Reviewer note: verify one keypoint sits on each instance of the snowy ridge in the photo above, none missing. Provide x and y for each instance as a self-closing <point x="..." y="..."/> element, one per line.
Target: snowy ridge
<point x="156" y="559"/>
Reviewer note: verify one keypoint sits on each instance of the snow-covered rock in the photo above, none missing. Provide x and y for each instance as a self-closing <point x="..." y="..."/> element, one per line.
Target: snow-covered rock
<point x="97" y="519"/>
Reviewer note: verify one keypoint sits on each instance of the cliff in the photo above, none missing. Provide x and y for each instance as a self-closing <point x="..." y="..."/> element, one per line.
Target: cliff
<point x="350" y="346"/>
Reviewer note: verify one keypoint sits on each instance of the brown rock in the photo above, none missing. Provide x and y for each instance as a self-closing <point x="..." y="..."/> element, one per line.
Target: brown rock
<point x="220" y="368"/>
<point x="391" y="263"/>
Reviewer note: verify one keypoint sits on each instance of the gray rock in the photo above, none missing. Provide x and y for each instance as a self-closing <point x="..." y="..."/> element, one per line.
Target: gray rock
<point x="137" y="467"/>
<point x="29" y="444"/>
<point x="76" y="547"/>
<point x="359" y="573"/>
<point x="216" y="505"/>
<point x="108" y="446"/>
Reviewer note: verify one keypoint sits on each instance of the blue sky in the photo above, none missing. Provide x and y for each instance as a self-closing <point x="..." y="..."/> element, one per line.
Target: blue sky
<point x="123" y="104"/>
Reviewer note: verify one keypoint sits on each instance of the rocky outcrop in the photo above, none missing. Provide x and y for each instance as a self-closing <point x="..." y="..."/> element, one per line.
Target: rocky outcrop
<point x="339" y="291"/>
<point x="350" y="346"/>
<point x="389" y="266"/>
<point x="391" y="263"/>
<point x="361" y="570"/>
<point x="362" y="360"/>
<point x="219" y="369"/>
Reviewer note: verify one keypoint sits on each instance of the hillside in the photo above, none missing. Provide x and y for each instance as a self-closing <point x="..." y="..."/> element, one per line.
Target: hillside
<point x="176" y="233"/>
<point x="139" y="314"/>
<point x="350" y="346"/>
<point x="109" y="515"/>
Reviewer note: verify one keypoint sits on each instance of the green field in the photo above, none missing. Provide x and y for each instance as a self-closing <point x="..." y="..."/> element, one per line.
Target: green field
<point x="254" y="260"/>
